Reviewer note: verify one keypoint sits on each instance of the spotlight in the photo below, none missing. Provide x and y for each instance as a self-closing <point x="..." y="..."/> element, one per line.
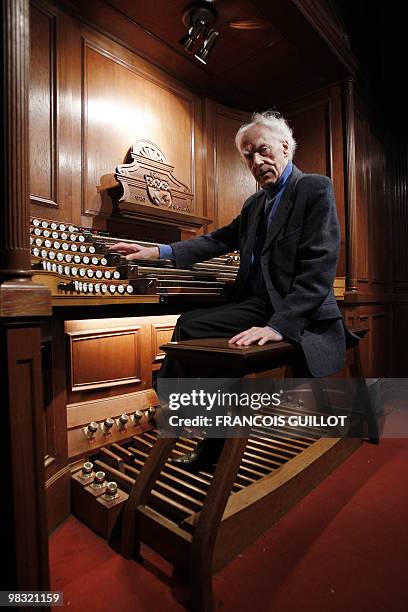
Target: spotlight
<point x="209" y="42"/>
<point x="199" y="17"/>
<point x="193" y="33"/>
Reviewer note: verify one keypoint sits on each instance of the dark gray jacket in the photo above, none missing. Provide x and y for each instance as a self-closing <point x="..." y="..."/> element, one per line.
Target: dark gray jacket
<point x="298" y="261"/>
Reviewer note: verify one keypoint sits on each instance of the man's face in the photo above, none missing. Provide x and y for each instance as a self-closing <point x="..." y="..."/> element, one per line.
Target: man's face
<point x="266" y="155"/>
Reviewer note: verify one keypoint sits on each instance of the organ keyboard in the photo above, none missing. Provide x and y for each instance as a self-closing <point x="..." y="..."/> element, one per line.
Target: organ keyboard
<point x="76" y="262"/>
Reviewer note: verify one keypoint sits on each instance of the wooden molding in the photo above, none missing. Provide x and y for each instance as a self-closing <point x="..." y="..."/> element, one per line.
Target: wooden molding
<point x="350" y="186"/>
<point x="161" y="334"/>
<point x="316" y="15"/>
<point x="19" y="297"/>
<point x="43" y="106"/>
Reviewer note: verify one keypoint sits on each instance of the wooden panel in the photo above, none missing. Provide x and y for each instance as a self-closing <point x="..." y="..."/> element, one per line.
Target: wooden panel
<point x="373" y="227"/>
<point x="22" y="512"/>
<point x="397" y="187"/>
<point x="102" y="358"/>
<point x="376" y="347"/>
<point x="57" y="490"/>
<point x="229" y="182"/>
<point x="52" y="158"/>
<point x="313" y="133"/>
<point x="397" y="209"/>
<point x="42" y="105"/>
<point x="132" y="365"/>
<point x="380" y="347"/>
<point x="50" y="443"/>
<point x="161" y="333"/>
<point x="400" y="343"/>
<point x="362" y="186"/>
<point x="55" y="421"/>
<point x="122" y="103"/>
<point x="317" y="125"/>
<point x="379" y="215"/>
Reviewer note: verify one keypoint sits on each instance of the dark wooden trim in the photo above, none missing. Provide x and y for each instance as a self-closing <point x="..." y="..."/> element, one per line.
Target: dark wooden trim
<point x="58" y="496"/>
<point x="23" y="515"/>
<point x="350" y="186"/>
<point x="52" y="201"/>
<point x="315" y="13"/>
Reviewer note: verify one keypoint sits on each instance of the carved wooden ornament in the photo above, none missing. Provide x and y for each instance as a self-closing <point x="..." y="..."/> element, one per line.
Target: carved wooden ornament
<point x="148" y="179"/>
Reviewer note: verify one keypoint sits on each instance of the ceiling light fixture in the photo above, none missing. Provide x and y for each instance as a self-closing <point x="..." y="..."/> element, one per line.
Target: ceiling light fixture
<point x="209" y="42"/>
<point x="199" y="17"/>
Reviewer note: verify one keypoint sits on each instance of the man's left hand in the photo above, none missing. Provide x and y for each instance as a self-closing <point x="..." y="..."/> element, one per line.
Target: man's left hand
<point x="261" y="335"/>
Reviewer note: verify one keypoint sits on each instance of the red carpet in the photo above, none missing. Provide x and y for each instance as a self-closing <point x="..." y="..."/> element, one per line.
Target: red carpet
<point x="342" y="548"/>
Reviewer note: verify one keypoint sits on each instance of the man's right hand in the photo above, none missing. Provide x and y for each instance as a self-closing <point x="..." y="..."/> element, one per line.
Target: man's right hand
<point x="135" y="251"/>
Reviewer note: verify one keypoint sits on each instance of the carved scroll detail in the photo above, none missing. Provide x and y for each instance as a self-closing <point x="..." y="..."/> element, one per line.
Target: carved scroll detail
<point x="149" y="150"/>
<point x="149" y="178"/>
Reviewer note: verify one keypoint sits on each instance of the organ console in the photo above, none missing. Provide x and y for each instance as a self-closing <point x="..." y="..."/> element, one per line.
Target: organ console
<point x="82" y="273"/>
<point x="110" y="436"/>
<point x="79" y="263"/>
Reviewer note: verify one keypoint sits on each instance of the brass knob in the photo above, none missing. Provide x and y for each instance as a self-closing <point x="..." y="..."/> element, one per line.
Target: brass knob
<point x="111" y="491"/>
<point x="122" y="421"/>
<point x="99" y="480"/>
<point x="87" y="468"/>
<point x="107" y="425"/>
<point x="91" y="430"/>
<point x="137" y="416"/>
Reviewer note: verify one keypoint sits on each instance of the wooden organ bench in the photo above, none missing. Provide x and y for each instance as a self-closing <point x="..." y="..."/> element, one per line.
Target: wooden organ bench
<point x="256" y="480"/>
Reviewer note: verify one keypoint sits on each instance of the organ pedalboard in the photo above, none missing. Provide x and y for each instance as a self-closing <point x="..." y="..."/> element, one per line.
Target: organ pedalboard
<point x="76" y="261"/>
<point x="115" y="450"/>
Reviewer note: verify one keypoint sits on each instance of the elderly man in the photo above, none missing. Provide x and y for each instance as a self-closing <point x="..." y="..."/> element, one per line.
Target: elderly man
<point x="288" y="236"/>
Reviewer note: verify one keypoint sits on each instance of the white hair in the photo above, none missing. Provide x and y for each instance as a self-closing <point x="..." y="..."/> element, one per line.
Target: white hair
<point x="275" y="122"/>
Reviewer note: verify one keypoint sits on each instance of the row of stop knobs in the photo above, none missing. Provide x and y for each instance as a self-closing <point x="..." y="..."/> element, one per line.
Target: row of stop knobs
<point x="121" y="423"/>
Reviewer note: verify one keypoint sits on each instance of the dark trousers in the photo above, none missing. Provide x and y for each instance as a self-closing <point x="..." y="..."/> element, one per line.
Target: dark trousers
<point x="223" y="321"/>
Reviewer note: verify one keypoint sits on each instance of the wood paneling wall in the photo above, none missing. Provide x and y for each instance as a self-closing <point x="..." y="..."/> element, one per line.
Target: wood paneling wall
<point x="317" y="124"/>
<point x="373" y="222"/>
<point x="376" y="347"/>
<point x="374" y="256"/>
<point x="43" y="107"/>
<point x="229" y="183"/>
<point x="397" y="213"/>
<point x="124" y="100"/>
<point x="91" y="99"/>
